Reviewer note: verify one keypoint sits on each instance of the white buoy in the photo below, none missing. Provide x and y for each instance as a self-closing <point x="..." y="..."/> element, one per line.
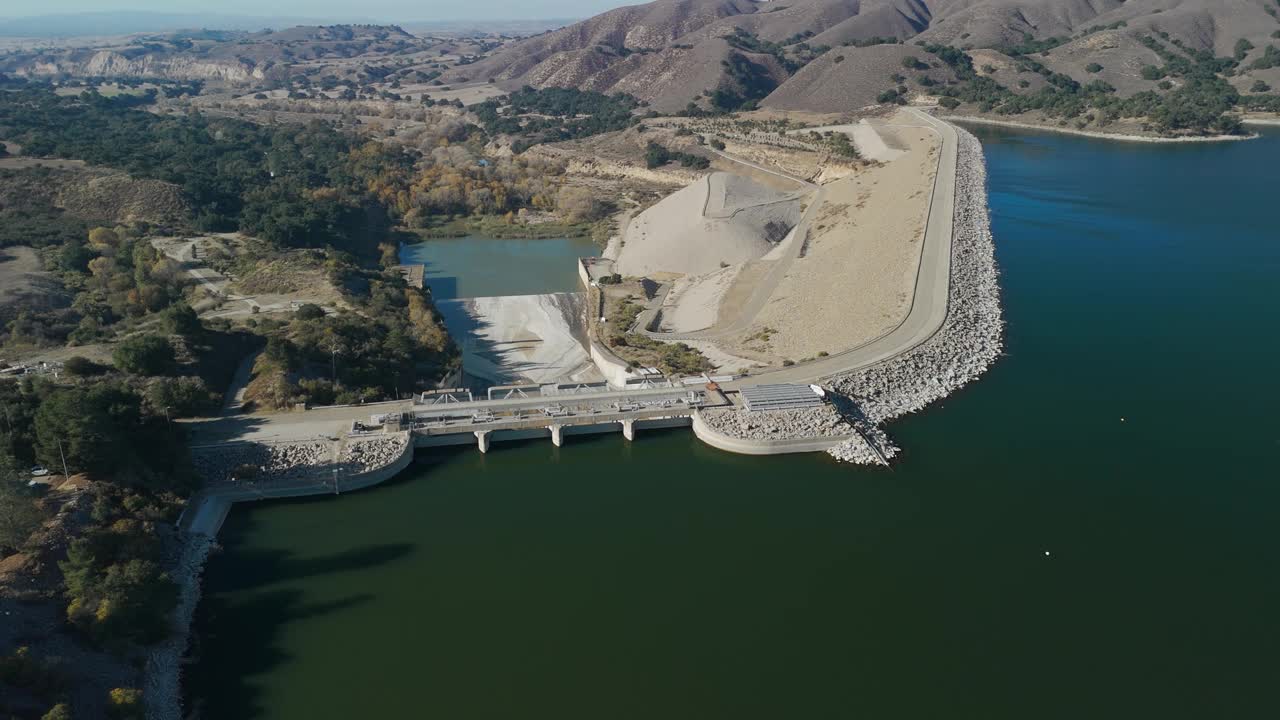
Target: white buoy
<point x="1046" y="553"/>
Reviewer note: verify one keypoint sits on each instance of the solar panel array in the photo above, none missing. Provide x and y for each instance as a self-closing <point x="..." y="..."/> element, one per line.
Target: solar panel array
<point x="779" y="397"/>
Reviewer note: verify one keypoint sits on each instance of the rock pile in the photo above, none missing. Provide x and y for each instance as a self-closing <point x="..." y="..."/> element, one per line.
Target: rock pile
<point x="162" y="688"/>
<point x="365" y="455"/>
<point x="816" y="422"/>
<point x="969" y="340"/>
<point x="284" y="461"/>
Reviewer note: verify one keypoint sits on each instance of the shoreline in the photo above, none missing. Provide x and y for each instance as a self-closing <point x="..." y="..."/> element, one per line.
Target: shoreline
<point x="963" y="348"/>
<point x="1119" y="137"/>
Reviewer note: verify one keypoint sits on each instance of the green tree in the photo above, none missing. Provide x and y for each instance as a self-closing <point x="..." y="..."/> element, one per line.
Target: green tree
<point x="144" y="355"/>
<point x="179" y="396"/>
<point x="180" y="319"/>
<point x="81" y="366"/>
<point x="309" y="311"/>
<point x="19" y="516"/>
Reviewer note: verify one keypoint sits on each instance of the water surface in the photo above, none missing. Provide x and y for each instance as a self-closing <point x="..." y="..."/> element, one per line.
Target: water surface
<point x="478" y="266"/>
<point x="1088" y="532"/>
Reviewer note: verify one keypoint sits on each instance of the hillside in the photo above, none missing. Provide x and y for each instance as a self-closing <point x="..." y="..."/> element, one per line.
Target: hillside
<point x="673" y="52"/>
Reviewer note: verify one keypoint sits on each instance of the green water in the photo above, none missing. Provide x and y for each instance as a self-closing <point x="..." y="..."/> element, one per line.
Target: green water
<point x="663" y="579"/>
<point x="476" y="266"/>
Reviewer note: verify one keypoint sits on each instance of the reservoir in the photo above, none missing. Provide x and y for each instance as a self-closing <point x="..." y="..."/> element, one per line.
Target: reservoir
<point x="1088" y="531"/>
<point x="476" y="266"/>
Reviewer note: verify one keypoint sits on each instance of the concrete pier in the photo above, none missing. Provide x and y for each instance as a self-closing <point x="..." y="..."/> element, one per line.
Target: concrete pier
<point x="629" y="430"/>
<point x="482" y="440"/>
<point x="557" y="435"/>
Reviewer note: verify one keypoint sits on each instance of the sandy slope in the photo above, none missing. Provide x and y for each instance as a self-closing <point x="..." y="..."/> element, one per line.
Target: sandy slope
<point x="855" y="281"/>
<point x="719" y="220"/>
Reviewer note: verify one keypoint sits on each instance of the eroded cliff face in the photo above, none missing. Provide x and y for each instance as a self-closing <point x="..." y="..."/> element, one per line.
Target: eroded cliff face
<point x="108" y="63"/>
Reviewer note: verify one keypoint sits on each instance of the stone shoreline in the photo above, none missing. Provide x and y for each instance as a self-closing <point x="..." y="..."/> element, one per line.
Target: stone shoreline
<point x="970" y="338"/>
<point x="162" y="684"/>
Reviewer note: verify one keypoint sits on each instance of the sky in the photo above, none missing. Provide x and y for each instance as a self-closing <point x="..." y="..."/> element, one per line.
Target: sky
<point x="380" y="10"/>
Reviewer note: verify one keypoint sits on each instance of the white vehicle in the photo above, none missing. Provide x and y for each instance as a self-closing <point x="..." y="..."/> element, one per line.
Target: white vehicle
<point x="39" y="471"/>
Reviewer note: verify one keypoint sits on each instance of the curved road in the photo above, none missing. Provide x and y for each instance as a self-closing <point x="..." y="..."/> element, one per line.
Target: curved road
<point x="933" y="281"/>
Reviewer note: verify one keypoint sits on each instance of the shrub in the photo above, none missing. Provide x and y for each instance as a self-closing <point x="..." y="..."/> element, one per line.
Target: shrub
<point x="81" y="366"/>
<point x="1260" y="87"/>
<point x="309" y="311"/>
<point x="180" y="319"/>
<point x="144" y="355"/>
<point x="125" y="704"/>
<point x="1093" y="68"/>
<point x="61" y="711"/>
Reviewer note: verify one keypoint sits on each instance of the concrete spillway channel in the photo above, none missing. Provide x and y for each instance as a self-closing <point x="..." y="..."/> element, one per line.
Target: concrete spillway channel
<point x="522" y="338"/>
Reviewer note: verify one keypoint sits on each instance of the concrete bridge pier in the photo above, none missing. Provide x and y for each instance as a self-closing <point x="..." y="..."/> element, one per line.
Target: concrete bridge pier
<point x="482" y="440"/>
<point x="557" y="435"/>
<point x="629" y="429"/>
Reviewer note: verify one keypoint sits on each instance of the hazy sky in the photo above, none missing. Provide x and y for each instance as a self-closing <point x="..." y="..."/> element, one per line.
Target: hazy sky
<point x="383" y="10"/>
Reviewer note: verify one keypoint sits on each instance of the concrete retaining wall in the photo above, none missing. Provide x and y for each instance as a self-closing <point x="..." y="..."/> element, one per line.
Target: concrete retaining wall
<point x="720" y="441"/>
<point x="207" y="512"/>
<point x="611" y="366"/>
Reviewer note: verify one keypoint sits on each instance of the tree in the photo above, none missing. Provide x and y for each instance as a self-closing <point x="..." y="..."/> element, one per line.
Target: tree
<point x="579" y="204"/>
<point x="1260" y="86"/>
<point x="179" y="396"/>
<point x="144" y="355"/>
<point x="81" y="366"/>
<point x="19" y="516"/>
<point x="101" y="237"/>
<point x="656" y="155"/>
<point x="309" y="311"/>
<point x="180" y="319"/>
<point x="1093" y="68"/>
<point x="61" y="711"/>
<point x="125" y="704"/>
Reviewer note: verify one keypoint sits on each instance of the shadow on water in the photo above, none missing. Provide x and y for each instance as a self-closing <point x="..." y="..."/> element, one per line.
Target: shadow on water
<point x="249" y="603"/>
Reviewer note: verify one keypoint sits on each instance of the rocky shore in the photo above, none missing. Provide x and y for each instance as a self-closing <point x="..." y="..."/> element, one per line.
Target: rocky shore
<point x="162" y="688"/>
<point x="970" y="338"/>
<point x="359" y="456"/>
<point x="816" y="422"/>
<point x="284" y="461"/>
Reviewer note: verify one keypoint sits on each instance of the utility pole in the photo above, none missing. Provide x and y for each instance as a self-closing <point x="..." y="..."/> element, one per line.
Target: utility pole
<point x="65" y="474"/>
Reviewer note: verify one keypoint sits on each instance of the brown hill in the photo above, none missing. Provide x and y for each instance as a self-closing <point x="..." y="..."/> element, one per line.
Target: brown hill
<point x="671" y="51"/>
<point x="849" y="78"/>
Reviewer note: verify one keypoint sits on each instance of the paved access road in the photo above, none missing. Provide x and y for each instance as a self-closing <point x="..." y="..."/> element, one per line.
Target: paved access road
<point x="933" y="282"/>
